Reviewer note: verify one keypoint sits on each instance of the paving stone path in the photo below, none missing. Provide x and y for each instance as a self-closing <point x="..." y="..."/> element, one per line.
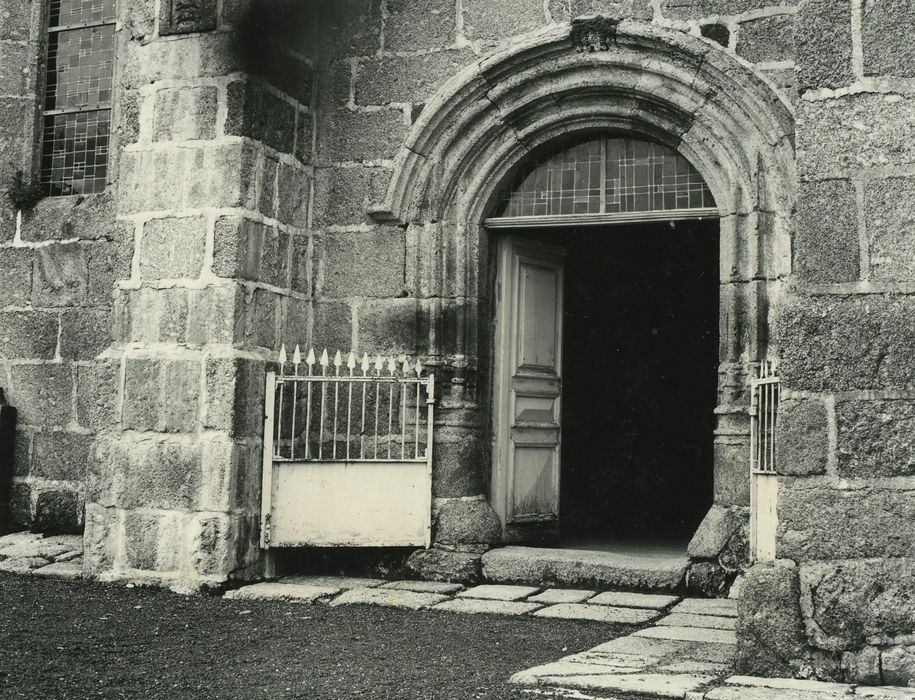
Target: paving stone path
<point x="686" y="652"/>
<point x="683" y="648"/>
<point x="29" y="553"/>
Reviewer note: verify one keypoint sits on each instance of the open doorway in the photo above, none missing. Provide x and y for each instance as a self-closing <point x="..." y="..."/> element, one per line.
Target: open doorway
<point x="638" y="383"/>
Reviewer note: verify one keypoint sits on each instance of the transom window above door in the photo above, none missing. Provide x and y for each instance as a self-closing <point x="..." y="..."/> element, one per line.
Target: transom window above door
<point x="603" y="180"/>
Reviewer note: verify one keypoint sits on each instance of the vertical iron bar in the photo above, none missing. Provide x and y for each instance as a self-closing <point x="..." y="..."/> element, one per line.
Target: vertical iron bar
<point x="416" y="439"/>
<point x="323" y="410"/>
<point x="308" y="417"/>
<point x="390" y="413"/>
<point x="362" y="432"/>
<point x="349" y="413"/>
<point x="295" y="396"/>
<point x="336" y="403"/>
<point x="377" y="396"/>
<point x="403" y="420"/>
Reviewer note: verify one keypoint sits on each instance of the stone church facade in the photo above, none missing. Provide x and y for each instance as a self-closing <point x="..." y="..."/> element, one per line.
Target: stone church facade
<point x="267" y="174"/>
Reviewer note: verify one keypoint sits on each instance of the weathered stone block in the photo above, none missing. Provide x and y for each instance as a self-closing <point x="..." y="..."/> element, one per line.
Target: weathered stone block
<point x="344" y="195"/>
<point x="16" y="276"/>
<point x="362" y="263"/>
<point x="890" y="215"/>
<point x="360" y="136"/>
<point x="409" y="79"/>
<point x="61" y="456"/>
<point x="770" y="627"/>
<point x="161" y="395"/>
<point x="184" y="114"/>
<point x="826" y="242"/>
<point x="141" y="536"/>
<point x="823" y="44"/>
<point x="850" y="601"/>
<point x="84" y="333"/>
<point x="333" y="324"/>
<point x="714" y="531"/>
<point x="293" y="196"/>
<point x="840" y="343"/>
<point x="498" y="21"/>
<point x="820" y="522"/>
<point x="256" y="112"/>
<point x="388" y="326"/>
<point x="411" y="25"/>
<point x="58" y="511"/>
<point x="179" y="315"/>
<point x="898" y="666"/>
<point x="767" y="39"/>
<point x="693" y="9"/>
<point x="862" y="667"/>
<point x="732" y="478"/>
<point x="708" y="579"/>
<point x="173" y="248"/>
<point x="845" y="134"/>
<point x="110" y="262"/>
<point x="457" y="464"/>
<point x="164" y="473"/>
<point x="262" y="318"/>
<point x="22" y="456"/>
<point x="86" y="217"/>
<point x="802" y="447"/>
<point x="22" y="503"/>
<point x="97" y="388"/>
<point x="301" y="271"/>
<point x="238" y="248"/>
<point x="886" y="24"/>
<point x="461" y="522"/>
<point x="353" y="27"/>
<point x="875" y="438"/>
<point x="42" y="393"/>
<point x="564" y="10"/>
<point x="101" y="538"/>
<point x="234" y="396"/>
<point x="443" y="565"/>
<point x="60" y="275"/>
<point x="219" y="175"/>
<point x="17" y="20"/>
<point x="304" y="135"/>
<point x="28" y="334"/>
<point x="15" y="59"/>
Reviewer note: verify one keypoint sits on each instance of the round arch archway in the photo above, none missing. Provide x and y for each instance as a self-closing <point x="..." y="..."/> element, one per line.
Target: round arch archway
<point x="656" y="83"/>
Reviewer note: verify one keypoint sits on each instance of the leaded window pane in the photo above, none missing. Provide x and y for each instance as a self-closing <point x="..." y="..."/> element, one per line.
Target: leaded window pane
<point x="80" y="63"/>
<point x="78" y="93"/>
<point x="605" y="176"/>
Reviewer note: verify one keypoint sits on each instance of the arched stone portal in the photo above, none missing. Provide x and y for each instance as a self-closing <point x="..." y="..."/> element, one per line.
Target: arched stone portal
<point x="631" y="77"/>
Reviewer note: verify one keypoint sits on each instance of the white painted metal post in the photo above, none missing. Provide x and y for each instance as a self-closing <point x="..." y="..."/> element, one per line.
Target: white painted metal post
<point x="267" y="468"/>
<point x="430" y="415"/>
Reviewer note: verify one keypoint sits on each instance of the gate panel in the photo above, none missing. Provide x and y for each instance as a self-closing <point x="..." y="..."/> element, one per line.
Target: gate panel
<point x="764" y="390"/>
<point x="348" y="453"/>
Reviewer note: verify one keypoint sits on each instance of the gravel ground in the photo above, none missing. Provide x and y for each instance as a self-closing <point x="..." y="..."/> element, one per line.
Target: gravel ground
<point x="84" y="640"/>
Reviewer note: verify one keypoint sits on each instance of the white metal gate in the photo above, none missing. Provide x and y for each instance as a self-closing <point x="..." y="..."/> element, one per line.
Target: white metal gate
<point x="347" y="452"/>
<point x="764" y="397"/>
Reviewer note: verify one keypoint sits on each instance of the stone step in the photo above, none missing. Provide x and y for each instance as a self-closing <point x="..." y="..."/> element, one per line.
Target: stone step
<point x="655" y="572"/>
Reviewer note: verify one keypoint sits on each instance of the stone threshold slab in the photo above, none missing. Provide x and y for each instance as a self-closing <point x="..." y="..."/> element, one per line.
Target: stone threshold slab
<point x="661" y="572"/>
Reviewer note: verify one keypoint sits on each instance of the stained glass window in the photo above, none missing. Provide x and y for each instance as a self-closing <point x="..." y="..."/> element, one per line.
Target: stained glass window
<point x="606" y="176"/>
<point x="77" y="101"/>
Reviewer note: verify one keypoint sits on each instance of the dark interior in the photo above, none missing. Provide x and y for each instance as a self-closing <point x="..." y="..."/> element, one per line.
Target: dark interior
<point x="640" y="369"/>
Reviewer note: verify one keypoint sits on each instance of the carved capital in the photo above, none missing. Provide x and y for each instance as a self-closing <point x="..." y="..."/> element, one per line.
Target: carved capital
<point x="591" y="34"/>
<point x="186" y="16"/>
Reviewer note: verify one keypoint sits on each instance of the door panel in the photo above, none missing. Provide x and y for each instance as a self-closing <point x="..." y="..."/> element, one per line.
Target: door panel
<point x="528" y="382"/>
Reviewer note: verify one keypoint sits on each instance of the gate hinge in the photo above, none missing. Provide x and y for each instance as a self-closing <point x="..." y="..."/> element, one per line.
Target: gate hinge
<point x="265" y="535"/>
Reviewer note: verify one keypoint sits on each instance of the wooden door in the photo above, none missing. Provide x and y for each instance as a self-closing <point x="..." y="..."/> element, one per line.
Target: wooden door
<point x="528" y="382"/>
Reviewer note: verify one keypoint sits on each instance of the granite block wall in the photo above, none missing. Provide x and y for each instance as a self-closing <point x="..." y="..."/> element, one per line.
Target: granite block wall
<point x="847" y="491"/>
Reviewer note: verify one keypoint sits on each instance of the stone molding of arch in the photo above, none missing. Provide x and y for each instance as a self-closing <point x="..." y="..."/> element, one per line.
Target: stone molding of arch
<point x="681" y="90"/>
